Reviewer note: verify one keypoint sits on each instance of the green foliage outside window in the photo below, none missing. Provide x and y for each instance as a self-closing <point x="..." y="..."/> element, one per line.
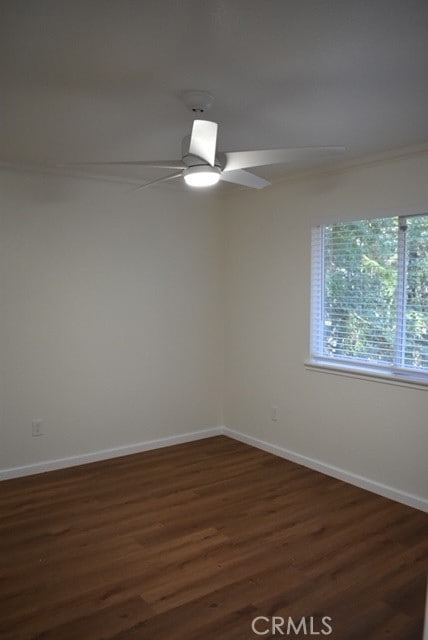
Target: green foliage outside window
<point x="375" y="290"/>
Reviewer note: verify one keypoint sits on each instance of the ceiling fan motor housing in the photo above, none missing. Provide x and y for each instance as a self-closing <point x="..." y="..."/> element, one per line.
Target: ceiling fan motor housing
<point x="191" y="160"/>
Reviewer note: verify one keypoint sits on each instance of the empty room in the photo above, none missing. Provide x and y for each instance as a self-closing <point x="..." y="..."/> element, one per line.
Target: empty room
<point x="213" y="319"/>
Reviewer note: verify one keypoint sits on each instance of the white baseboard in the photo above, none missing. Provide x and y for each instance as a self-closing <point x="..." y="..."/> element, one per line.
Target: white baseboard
<point x="411" y="500"/>
<point x="105" y="454"/>
<point x="417" y="502"/>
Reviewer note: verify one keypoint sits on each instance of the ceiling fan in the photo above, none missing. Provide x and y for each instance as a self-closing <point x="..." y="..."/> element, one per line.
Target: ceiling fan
<point x="202" y="165"/>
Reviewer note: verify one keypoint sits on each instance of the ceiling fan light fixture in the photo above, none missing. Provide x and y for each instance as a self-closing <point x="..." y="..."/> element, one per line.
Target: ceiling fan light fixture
<point x="201" y="176"/>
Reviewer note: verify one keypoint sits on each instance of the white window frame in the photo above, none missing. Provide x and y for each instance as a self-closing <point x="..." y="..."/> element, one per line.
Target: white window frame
<point x="394" y="373"/>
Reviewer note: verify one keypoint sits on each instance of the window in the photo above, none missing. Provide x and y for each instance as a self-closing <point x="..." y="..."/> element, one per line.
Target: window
<point x="370" y="296"/>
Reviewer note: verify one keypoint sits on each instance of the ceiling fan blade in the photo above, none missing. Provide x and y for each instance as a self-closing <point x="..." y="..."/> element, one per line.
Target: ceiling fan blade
<point x="203" y="140"/>
<point x="164" y="179"/>
<point x="160" y="164"/>
<point x="239" y="176"/>
<point x="243" y="159"/>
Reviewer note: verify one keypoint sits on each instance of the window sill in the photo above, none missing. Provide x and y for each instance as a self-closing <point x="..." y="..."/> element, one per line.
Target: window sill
<point x="360" y="373"/>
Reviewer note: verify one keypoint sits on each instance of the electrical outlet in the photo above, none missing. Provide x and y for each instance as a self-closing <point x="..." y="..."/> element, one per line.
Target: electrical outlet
<point x="274" y="413"/>
<point x="37" y="428"/>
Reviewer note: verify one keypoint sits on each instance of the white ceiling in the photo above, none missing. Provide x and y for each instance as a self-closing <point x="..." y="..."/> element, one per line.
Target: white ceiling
<point x="103" y="79"/>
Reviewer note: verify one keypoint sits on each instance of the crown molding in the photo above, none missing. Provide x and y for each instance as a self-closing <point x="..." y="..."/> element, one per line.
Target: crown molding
<point x="61" y="172"/>
<point x="345" y="166"/>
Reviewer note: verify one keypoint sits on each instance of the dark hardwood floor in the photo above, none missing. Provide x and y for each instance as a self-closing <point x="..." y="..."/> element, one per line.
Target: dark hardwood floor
<point x="193" y="542"/>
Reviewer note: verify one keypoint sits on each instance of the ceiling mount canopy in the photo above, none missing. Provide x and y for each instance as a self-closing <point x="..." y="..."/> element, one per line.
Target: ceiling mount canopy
<point x="198" y="101"/>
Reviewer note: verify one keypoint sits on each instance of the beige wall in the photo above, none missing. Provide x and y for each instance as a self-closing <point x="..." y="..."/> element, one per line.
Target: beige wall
<point x="112" y="312"/>
<point x="375" y="430"/>
<point x="111" y="316"/>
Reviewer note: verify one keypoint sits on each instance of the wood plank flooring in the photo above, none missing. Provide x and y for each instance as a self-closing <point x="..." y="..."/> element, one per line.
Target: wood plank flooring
<point x="193" y="542"/>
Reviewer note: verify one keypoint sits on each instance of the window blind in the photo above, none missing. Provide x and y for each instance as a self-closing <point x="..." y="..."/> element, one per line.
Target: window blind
<point x="370" y="294"/>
